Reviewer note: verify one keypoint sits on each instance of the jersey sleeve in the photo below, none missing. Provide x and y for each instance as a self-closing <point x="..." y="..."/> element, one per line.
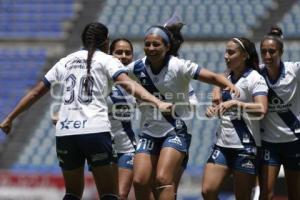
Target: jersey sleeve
<point x="259" y="86"/>
<point x="296" y="68"/>
<point x="129" y="70"/>
<point x="114" y="68"/>
<point x="55" y="74"/>
<point x="190" y="70"/>
<point x="192" y="96"/>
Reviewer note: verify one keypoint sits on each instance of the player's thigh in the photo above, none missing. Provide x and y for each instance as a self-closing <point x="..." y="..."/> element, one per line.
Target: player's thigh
<point x="144" y="166"/>
<point x="213" y="177"/>
<point x="125" y="180"/>
<point x="169" y="164"/>
<point x="293" y="183"/>
<point x="145" y="159"/>
<point x="74" y="181"/>
<point x="267" y="179"/>
<point x="106" y="178"/>
<point x="243" y="191"/>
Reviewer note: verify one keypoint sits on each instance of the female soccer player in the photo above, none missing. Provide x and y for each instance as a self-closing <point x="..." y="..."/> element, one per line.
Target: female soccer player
<point x="238" y="138"/>
<point x="121" y="108"/>
<point x="165" y="139"/>
<point x="83" y="128"/>
<point x="281" y="125"/>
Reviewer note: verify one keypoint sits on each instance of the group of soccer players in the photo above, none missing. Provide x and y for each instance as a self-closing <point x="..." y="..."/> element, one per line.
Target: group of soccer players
<point x="259" y="130"/>
<point x="257" y="106"/>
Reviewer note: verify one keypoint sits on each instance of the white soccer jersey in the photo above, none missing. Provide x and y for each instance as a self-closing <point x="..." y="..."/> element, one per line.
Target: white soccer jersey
<point x="172" y="85"/>
<point x="236" y="128"/>
<point x="81" y="113"/>
<point x="121" y="107"/>
<point x="281" y="124"/>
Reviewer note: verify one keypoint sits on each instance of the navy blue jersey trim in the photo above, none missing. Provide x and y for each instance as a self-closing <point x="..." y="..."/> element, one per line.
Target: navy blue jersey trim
<point x="197" y="72"/>
<point x="115" y="76"/>
<point x="260" y="94"/>
<point x="46" y="82"/>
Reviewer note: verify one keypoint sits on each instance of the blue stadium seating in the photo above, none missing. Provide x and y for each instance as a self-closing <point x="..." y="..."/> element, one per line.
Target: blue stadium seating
<point x="290" y="22"/>
<point x="203" y="19"/>
<point x="19" y="71"/>
<point x="33" y="19"/>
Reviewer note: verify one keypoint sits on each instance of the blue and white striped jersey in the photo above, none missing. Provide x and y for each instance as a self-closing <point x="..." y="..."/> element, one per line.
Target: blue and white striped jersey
<point x="121" y="111"/>
<point x="238" y="128"/>
<point x="171" y="84"/>
<point x="282" y="122"/>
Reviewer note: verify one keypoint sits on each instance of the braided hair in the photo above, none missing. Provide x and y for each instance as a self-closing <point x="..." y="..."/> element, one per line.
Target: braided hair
<point x="94" y="36"/>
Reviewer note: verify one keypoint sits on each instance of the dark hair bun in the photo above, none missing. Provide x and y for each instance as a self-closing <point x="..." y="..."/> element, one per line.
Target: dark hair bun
<point x="275" y="31"/>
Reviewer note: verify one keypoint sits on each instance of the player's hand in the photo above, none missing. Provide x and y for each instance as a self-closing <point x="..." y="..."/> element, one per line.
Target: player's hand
<point x="165" y="107"/>
<point x="233" y="90"/>
<point x="224" y="106"/>
<point x="211" y="111"/>
<point x="54" y="118"/>
<point x="6" y="125"/>
<point x="216" y="96"/>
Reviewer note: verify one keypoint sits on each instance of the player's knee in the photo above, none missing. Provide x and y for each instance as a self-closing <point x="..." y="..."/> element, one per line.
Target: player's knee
<point x="139" y="182"/>
<point x="123" y="195"/>
<point x="162" y="179"/>
<point x="109" y="197"/>
<point x="208" y="192"/>
<point x="71" y="197"/>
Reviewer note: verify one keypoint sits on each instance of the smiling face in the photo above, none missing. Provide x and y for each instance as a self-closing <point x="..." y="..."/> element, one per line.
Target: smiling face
<point x="270" y="53"/>
<point x="235" y="57"/>
<point x="123" y="51"/>
<point x="155" y="49"/>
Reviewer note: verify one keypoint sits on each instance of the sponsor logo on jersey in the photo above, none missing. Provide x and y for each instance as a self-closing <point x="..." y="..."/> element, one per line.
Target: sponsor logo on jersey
<point x="70" y="124"/>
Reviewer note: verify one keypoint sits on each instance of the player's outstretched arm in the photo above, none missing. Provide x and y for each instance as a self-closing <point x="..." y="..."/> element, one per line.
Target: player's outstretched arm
<point x="30" y="98"/>
<point x="141" y="93"/>
<point x="218" y="80"/>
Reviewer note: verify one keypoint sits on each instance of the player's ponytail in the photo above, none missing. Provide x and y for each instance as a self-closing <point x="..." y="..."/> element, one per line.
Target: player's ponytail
<point x="94" y="36"/>
<point x="174" y="26"/>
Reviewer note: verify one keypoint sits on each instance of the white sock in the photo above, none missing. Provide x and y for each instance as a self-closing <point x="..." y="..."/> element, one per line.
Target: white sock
<point x="255" y="193"/>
